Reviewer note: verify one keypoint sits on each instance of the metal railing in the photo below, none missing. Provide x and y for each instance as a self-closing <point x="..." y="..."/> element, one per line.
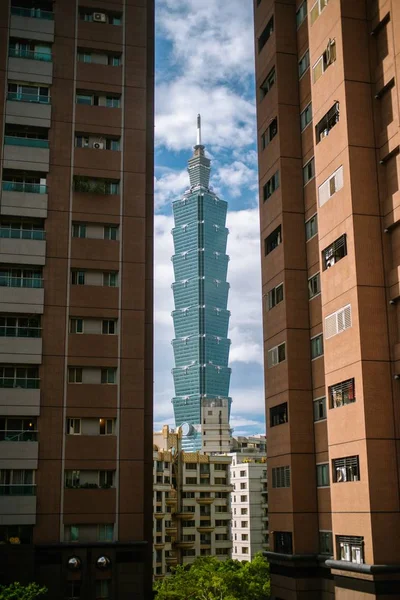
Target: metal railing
<point x="25" y="97"/>
<point x="35" y="13"/>
<point x="20" y="282"/>
<point x="30" y="54"/>
<point x="20" y="331"/>
<point x="21" y="383"/>
<point x="13" y="140"/>
<point x="22" y="186"/>
<point x="18" y="436"/>
<point x="22" y="234"/>
<point x="25" y="489"/>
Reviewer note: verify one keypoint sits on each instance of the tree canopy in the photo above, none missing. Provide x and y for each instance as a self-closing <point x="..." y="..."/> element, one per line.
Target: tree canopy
<point x="208" y="578"/>
<point x="16" y="591"/>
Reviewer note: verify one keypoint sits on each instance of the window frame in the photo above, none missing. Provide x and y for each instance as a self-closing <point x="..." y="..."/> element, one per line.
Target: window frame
<point x="324" y="477"/>
<point x="311" y="224"/>
<point x="269" y="244"/>
<point x="304" y="112"/>
<point x="322" y="402"/>
<point x="271" y="353"/>
<point x="302" y="14"/>
<point x="304" y="55"/>
<point x="276" y="417"/>
<point x="268" y="83"/>
<point x="306" y="178"/>
<point x="313" y="293"/>
<point x="272" y="296"/>
<point x="266" y="34"/>
<point x="321" y="337"/>
<point x="75" y="375"/>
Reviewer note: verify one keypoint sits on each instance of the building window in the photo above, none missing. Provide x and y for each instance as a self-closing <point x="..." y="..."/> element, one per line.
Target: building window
<point x="278" y="415"/>
<point x="243" y="511"/>
<point x="243" y="485"/>
<point x="325" y="543"/>
<point x="276" y="355"/>
<point x="323" y="475"/>
<point x="113" y="102"/>
<point x="335" y="252"/>
<point x="342" y="393"/>
<point x="268" y="83"/>
<point x="314" y="286"/>
<point x="245" y="537"/>
<point x="338" y="322"/>
<point x="73" y="590"/>
<point x="271" y="185"/>
<point x="75" y="375"/>
<point x="109" y="375"/>
<point x="106" y="426"/>
<point x="317" y="9"/>
<point x="273" y="240"/>
<point x="78" y="230"/>
<point x="306" y="117"/>
<point x="78" y="277"/>
<point x="243" y="498"/>
<point x="25" y="92"/>
<point x="245" y="550"/>
<point x="73" y="426"/>
<point x="269" y="134"/>
<point x="304" y="63"/>
<point x="242" y="474"/>
<point x="346" y="469"/>
<point x="317" y="346"/>
<point x="319" y="409"/>
<point x="311" y="227"/>
<point x="333" y="184"/>
<point x="103" y="588"/>
<point x="264" y="37"/>
<point x="281" y="477"/>
<point x="76" y="325"/>
<point x="350" y="548"/>
<point x="327" y="58"/>
<point x="105" y="533"/>
<point x="283" y="542"/>
<point x="110" y="279"/>
<point x="301" y="13"/>
<point x="244" y="524"/>
<point x="275" y="296"/>
<point x="308" y="171"/>
<point x="109" y="327"/>
<point x="327" y="123"/>
<point x="111" y="232"/>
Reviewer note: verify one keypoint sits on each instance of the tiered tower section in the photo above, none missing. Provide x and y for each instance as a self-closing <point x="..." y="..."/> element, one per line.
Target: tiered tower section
<point x="201" y="319"/>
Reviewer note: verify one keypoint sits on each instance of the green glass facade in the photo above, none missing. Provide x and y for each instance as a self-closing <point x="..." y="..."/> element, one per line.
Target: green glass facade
<point x="201" y="319"/>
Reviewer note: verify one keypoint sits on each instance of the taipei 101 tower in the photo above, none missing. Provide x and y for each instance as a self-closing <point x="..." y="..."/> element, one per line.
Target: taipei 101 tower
<point x="201" y="319"/>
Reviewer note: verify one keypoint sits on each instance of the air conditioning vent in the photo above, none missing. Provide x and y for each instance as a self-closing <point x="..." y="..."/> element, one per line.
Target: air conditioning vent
<point x="98" y="145"/>
<point x="99" y="17"/>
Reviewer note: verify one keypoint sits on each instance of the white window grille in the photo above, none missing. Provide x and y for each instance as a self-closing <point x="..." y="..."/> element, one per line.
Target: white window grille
<point x="338" y="322"/>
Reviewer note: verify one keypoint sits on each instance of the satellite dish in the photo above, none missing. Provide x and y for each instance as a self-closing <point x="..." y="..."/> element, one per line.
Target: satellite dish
<point x="186" y="429"/>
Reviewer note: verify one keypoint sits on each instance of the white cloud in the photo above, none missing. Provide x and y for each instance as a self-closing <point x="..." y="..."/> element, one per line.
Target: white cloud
<point x="236" y="176"/>
<point x="169" y="186"/>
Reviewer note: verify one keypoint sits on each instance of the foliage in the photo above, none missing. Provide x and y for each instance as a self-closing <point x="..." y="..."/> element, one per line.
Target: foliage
<point x="208" y="578"/>
<point x="16" y="591"/>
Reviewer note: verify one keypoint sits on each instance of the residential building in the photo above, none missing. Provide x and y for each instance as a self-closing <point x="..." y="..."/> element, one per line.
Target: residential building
<point x="328" y="132"/>
<point x="76" y="268"/>
<point x="250" y="444"/>
<point x="192" y="496"/>
<point x="250" y="534"/>
<point x="201" y="345"/>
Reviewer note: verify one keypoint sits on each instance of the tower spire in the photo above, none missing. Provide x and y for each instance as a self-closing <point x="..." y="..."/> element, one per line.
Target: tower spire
<point x="198" y="130"/>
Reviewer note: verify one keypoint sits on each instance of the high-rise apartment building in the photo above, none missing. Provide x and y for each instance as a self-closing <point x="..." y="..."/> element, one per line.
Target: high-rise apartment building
<point x="201" y="319"/>
<point x="328" y="138"/>
<point x="76" y="212"/>
<point x="192" y="497"/>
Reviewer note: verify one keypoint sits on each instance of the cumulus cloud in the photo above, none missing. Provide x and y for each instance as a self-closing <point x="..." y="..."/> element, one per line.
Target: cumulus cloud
<point x="168" y="187"/>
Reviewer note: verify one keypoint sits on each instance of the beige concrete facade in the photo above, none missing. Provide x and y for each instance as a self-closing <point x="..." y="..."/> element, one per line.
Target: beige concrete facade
<point x="76" y="305"/>
<point x="328" y="136"/>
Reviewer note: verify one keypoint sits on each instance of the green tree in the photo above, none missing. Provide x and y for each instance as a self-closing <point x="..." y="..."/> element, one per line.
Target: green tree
<point x="210" y="579"/>
<point x="16" y="591"/>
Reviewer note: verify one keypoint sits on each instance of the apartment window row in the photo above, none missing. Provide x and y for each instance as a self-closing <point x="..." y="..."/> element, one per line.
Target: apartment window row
<point x="89" y="479"/>
<point x="301" y="14"/>
<point x="342" y="393"/>
<point x="276" y="355"/>
<point x="22" y="229"/>
<point x="96" y="185"/>
<point x="28" y="92"/>
<point x="334" y="252"/>
<point x="275" y="296"/>
<point x="101" y="533"/>
<point x="19" y="377"/>
<point x="269" y="133"/>
<point x="95" y="231"/>
<point x="323" y="63"/>
<point x="346" y="469"/>
<point x="96" y="278"/>
<point x="350" y="548"/>
<point x="327" y="123"/>
<point x="314" y="286"/>
<point x="273" y="240"/>
<point x="89" y="375"/>
<point x="25" y="327"/>
<point x="328" y="188"/>
<point x="99" y="58"/>
<point x="18" y="429"/>
<point x="97" y="142"/>
<point x="96" y="99"/>
<point x="30" y="49"/>
<point x="281" y="477"/>
<point x="306" y="117"/>
<point x="266" y="34"/>
<point x="93" y="326"/>
<point x="100" y="17"/>
<point x="77" y="426"/>
<point x="311" y="227"/>
<point x="268" y="83"/>
<point x="338" y="322"/>
<point x="270" y="186"/>
<point x="278" y="415"/>
<point x="317" y="9"/>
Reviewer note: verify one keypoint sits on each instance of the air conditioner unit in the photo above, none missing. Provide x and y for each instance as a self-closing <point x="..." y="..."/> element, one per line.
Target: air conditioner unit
<point x="98" y="145"/>
<point x="99" y="17"/>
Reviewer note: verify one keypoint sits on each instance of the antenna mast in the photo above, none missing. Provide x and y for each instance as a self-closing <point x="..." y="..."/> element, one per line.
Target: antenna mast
<point x="198" y="130"/>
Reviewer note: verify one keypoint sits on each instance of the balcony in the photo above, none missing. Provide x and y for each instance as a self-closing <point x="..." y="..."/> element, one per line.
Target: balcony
<point x="170" y="501"/>
<point x="159" y="514"/>
<point x="170" y="529"/>
<point x="20" y="350"/>
<point x="19" y="246"/>
<point x="34" y="153"/>
<point x="184" y="515"/>
<point x="19" y="401"/>
<point x="159" y="545"/>
<point x="24" y="199"/>
<point x="28" y="109"/>
<point x="205" y="500"/>
<point x="184" y="544"/>
<point x="20" y="449"/>
<point x="34" y="23"/>
<point x="205" y="528"/>
<point x="21" y="294"/>
<point x="17" y="509"/>
<point x="30" y="66"/>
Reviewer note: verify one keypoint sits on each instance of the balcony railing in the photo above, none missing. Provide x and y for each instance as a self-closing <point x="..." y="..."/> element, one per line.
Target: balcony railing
<point x="25" y="97"/>
<point x="20" y="282"/>
<point x="12" y="140"/>
<point x="21" y="186"/>
<point x="15" y="331"/>
<point x="22" y="383"/>
<point x="22" y="234"/>
<point x="31" y="54"/>
<point x="17" y="490"/>
<point x="18" y="436"/>
<point x="35" y="13"/>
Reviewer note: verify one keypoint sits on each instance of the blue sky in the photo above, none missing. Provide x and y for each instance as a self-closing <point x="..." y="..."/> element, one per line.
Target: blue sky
<point x="205" y="64"/>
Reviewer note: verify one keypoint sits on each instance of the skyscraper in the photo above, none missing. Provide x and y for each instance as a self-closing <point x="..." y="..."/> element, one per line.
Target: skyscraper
<point x="328" y="135"/>
<point x="201" y="319"/>
<point x="76" y="228"/>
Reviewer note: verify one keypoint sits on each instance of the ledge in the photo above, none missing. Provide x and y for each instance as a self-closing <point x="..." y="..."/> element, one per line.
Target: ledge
<point x="341" y="565"/>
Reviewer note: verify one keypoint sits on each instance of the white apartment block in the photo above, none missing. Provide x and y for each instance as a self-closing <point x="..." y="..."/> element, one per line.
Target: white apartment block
<point x="249" y="504"/>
